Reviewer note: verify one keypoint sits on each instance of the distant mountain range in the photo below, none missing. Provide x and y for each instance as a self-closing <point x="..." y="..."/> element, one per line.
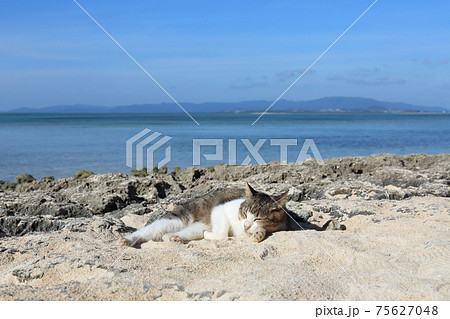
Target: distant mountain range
<point x="326" y="104"/>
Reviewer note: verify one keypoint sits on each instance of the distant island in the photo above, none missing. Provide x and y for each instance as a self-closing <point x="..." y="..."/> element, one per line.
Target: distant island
<point x="323" y="105"/>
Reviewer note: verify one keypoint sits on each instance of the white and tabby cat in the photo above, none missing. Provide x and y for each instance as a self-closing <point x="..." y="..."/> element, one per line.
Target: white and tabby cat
<point x="217" y="215"/>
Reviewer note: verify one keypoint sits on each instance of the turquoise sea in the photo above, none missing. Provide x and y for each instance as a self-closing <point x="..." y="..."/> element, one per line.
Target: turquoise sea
<point x="61" y="144"/>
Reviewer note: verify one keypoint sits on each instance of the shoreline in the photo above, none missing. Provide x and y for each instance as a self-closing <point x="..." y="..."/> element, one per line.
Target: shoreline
<point x="130" y="173"/>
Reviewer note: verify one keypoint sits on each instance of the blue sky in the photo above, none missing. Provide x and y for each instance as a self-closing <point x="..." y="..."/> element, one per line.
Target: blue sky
<point x="52" y="53"/>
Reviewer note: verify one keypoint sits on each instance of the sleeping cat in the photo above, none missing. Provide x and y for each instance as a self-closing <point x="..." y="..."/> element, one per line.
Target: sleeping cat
<point x="217" y="215"/>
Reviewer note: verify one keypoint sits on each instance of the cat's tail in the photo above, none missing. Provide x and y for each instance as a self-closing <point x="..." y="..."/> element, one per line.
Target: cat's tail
<point x="153" y="231"/>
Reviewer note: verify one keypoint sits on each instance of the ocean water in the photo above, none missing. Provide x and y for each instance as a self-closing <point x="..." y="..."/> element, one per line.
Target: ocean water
<point x="61" y="144"/>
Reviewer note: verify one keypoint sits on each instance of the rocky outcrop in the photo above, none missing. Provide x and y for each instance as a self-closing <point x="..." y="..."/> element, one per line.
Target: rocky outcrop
<point x="49" y="205"/>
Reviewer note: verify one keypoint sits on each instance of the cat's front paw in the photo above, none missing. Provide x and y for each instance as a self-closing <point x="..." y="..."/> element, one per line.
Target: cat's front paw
<point x="258" y="235"/>
<point x="175" y="239"/>
<point x="172" y="238"/>
<point x="124" y="242"/>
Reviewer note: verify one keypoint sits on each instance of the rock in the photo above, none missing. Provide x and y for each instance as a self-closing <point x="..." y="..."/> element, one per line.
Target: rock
<point x="109" y="223"/>
<point x="28" y="271"/>
<point x="77" y="225"/>
<point x="41" y="204"/>
<point x="233" y="297"/>
<point x="35" y="268"/>
<point x="298" y="212"/>
<point x="204" y="295"/>
<point x="220" y="293"/>
<point x="163" y="170"/>
<point x="176" y="287"/>
<point x="333" y="224"/>
<point x="266" y="251"/>
<point x="100" y="203"/>
<point x="177" y="170"/>
<point x="10" y="186"/>
<point x="139" y="172"/>
<point x="82" y="174"/>
<point x="355" y="212"/>
<point x="135" y="209"/>
<point x="24" y="178"/>
<point x="19" y="226"/>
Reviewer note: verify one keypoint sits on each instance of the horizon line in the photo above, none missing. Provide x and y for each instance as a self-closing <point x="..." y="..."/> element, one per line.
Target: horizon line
<point x="216" y="102"/>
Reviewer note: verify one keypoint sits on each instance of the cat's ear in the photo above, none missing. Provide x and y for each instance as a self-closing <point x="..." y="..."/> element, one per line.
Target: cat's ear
<point x="281" y="199"/>
<point x="249" y="191"/>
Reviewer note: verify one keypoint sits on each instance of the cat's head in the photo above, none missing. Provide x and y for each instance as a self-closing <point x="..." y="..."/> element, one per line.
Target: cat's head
<point x="262" y="210"/>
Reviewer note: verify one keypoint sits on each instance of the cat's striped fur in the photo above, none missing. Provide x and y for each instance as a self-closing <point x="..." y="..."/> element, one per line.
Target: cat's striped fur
<point x="217" y="215"/>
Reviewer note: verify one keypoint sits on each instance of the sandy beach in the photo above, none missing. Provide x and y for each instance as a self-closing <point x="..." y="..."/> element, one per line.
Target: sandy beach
<point x="59" y="239"/>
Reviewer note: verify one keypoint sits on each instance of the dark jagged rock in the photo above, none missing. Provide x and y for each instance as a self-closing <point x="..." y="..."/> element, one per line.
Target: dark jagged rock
<point x="19" y="226"/>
